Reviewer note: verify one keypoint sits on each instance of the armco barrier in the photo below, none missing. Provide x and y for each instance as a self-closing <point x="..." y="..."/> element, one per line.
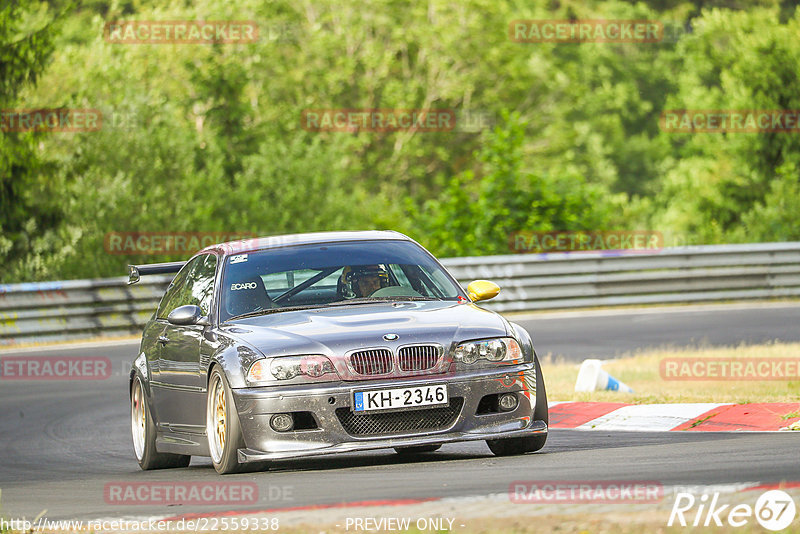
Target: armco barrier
<point x="77" y="309"/>
<point x="686" y="274"/>
<point x="86" y="308"/>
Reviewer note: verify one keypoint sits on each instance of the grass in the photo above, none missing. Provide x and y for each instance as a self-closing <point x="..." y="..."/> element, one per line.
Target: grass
<point x="641" y="371"/>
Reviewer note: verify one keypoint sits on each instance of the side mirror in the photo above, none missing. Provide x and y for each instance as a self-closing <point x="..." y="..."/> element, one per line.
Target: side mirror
<point x="185" y="315"/>
<point x="482" y="290"/>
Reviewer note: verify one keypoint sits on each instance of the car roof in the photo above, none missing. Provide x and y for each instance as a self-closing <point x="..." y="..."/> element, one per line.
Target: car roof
<point x="258" y="243"/>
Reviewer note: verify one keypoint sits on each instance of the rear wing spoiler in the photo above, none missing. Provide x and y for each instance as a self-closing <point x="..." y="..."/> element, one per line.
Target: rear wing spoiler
<point x="136" y="271"/>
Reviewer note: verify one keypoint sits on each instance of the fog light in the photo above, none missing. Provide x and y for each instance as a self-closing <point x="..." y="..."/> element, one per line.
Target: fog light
<point x="507" y="402"/>
<point x="282" y="422"/>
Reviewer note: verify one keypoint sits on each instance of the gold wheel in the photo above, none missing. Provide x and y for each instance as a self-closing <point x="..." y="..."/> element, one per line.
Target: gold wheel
<point x="217" y="424"/>
<point x="138" y="419"/>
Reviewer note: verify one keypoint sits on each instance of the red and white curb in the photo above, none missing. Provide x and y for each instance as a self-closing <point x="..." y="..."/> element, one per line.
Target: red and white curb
<point x="695" y="417"/>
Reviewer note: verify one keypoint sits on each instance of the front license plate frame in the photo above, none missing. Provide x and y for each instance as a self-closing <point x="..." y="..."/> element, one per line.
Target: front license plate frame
<point x="395" y="399"/>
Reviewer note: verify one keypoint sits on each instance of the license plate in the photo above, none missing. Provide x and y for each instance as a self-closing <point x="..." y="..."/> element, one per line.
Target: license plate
<point x="393" y="399"/>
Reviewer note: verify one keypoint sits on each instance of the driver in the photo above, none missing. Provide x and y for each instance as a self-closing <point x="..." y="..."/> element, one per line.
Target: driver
<point x="367" y="279"/>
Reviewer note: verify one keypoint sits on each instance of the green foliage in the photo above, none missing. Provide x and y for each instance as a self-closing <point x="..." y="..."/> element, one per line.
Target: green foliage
<point x="775" y="217"/>
<point x="29" y="209"/>
<point x="508" y="198"/>
<point x="209" y="137"/>
<point x="724" y="187"/>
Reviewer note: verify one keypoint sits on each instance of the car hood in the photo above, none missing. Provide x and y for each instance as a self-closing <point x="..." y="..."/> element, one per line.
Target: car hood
<point x="335" y="331"/>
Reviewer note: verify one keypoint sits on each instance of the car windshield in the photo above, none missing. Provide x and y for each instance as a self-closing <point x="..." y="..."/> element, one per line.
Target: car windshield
<point x="323" y="274"/>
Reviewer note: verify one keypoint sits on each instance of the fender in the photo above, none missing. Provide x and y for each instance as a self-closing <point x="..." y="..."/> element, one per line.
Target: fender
<point x="235" y="357"/>
<point x="140" y="365"/>
<point x="524" y="338"/>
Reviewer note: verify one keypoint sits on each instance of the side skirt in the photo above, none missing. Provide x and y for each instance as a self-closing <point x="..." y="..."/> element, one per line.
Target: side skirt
<point x="182" y="443"/>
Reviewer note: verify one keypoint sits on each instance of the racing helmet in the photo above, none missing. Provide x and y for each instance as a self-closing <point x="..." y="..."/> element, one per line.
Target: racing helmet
<point x="353" y="276"/>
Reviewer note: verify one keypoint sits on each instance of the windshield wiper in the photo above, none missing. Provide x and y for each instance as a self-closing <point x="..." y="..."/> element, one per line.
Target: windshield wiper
<point x="369" y="300"/>
<point x="274" y="310"/>
<point x="361" y="300"/>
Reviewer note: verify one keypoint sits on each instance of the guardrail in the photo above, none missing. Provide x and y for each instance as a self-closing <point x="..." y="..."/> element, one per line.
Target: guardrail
<point x="673" y="275"/>
<point x="76" y="309"/>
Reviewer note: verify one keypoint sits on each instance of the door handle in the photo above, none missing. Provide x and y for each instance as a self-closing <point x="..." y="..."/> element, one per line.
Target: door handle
<point x="163" y="340"/>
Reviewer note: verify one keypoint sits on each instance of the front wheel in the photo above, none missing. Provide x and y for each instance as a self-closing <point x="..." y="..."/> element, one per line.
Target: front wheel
<point x="143" y="431"/>
<point x="417" y="449"/>
<point x="513" y="446"/>
<point x="222" y="426"/>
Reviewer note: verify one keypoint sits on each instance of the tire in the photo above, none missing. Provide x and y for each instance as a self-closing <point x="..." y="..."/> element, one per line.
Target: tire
<point x="417" y="449"/>
<point x="514" y="446"/>
<point x="143" y="432"/>
<point x="222" y="426"/>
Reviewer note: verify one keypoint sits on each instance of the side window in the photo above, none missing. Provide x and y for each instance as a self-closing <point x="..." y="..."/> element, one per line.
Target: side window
<point x="171" y="298"/>
<point x="200" y="283"/>
<point x="194" y="284"/>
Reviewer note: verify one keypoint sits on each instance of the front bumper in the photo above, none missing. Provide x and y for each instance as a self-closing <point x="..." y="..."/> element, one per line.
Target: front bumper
<point x="257" y="405"/>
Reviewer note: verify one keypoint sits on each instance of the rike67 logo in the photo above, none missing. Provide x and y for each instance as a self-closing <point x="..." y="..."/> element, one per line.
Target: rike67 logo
<point x="774" y="510"/>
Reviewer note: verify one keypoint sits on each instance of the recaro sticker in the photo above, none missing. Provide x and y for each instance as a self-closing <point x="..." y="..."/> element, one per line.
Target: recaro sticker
<point x="246" y="285"/>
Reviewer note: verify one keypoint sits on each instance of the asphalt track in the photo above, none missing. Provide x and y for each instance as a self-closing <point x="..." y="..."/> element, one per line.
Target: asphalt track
<point x="611" y="333"/>
<point x="62" y="442"/>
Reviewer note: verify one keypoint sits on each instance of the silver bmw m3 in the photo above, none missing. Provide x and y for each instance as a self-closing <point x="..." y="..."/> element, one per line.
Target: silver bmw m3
<point x="314" y="344"/>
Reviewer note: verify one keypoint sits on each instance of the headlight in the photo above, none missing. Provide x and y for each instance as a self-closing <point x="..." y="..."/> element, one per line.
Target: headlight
<point x="315" y="367"/>
<point x="504" y="349"/>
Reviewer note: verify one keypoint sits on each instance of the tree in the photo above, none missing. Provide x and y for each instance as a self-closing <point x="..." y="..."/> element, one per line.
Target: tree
<point x="480" y="211"/>
<point x="29" y="209"/>
<point x="732" y="186"/>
